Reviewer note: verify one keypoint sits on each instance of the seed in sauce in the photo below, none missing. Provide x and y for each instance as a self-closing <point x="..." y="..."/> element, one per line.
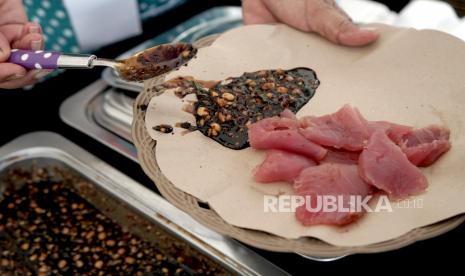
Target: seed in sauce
<point x="186" y="125"/>
<point x="163" y="128"/>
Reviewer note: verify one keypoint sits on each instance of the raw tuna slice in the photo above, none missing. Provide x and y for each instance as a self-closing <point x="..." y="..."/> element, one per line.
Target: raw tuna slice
<point x="281" y="166"/>
<point x="330" y="180"/>
<point x="341" y="157"/>
<point x="345" y="129"/>
<point x="288" y="114"/>
<point x="425" y="145"/>
<point x="383" y="165"/>
<point x="283" y="134"/>
<point x="394" y="131"/>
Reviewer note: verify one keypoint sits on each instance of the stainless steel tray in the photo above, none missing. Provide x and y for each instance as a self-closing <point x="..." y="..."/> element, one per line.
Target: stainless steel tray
<point x="48" y="149"/>
<point x="104" y="114"/>
<point x="213" y="21"/>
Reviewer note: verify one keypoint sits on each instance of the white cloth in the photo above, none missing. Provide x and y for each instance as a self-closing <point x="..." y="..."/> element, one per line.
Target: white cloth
<point x="101" y="22"/>
<point x="419" y="14"/>
<point x="429" y="14"/>
<point x="364" y="11"/>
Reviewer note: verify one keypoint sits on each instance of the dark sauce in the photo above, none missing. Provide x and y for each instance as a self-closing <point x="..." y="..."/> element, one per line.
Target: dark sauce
<point x="143" y="107"/>
<point x="156" y="61"/>
<point x="163" y="128"/>
<point x="47" y="228"/>
<point x="224" y="109"/>
<point x="186" y="125"/>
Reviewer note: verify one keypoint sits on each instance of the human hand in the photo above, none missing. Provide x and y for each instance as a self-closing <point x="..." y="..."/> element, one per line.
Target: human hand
<point x="16" y="32"/>
<point x="321" y="16"/>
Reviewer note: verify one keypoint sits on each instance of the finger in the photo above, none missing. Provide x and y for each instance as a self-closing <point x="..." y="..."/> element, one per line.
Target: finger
<point x="327" y="19"/>
<point x="32" y="41"/>
<point x="29" y="79"/>
<point x="12" y="32"/>
<point x="9" y="71"/>
<point x="16" y="32"/>
<point x="31" y="37"/>
<point x="4" y="48"/>
<point x="358" y="36"/>
<point x="255" y="12"/>
<point x="31" y="28"/>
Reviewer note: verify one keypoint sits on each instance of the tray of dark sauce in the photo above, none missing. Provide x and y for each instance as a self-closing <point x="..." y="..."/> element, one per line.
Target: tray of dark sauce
<point x="48" y="225"/>
<point x="65" y="212"/>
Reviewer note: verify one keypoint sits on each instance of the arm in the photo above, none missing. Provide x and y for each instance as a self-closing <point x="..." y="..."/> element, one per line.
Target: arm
<point x="321" y="16"/>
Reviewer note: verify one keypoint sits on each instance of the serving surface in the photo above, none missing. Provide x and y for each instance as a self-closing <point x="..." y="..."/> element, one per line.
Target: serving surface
<point x="406" y="94"/>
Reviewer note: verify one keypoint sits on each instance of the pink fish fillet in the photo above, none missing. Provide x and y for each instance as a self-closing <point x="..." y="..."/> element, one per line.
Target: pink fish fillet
<point x="425" y="145"/>
<point x="288" y="114"/>
<point x="281" y="166"/>
<point x="394" y="131"/>
<point x="283" y="134"/>
<point x="341" y="157"/>
<point x="383" y="165"/>
<point x="344" y="129"/>
<point x="330" y="180"/>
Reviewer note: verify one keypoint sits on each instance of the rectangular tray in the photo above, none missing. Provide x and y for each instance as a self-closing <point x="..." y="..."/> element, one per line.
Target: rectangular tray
<point x="132" y="205"/>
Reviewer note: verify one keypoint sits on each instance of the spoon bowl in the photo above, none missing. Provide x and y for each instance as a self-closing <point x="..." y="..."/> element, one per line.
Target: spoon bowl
<point x="155" y="61"/>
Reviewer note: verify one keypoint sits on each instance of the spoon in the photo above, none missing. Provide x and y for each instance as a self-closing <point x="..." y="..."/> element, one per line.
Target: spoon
<point x="146" y="64"/>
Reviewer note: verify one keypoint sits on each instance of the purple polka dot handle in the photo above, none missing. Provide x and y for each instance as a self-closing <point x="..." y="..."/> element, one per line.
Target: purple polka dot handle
<point x="34" y="59"/>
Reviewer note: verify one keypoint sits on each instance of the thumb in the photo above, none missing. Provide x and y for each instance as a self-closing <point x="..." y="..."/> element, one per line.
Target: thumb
<point x="4" y="48"/>
<point x="327" y="19"/>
